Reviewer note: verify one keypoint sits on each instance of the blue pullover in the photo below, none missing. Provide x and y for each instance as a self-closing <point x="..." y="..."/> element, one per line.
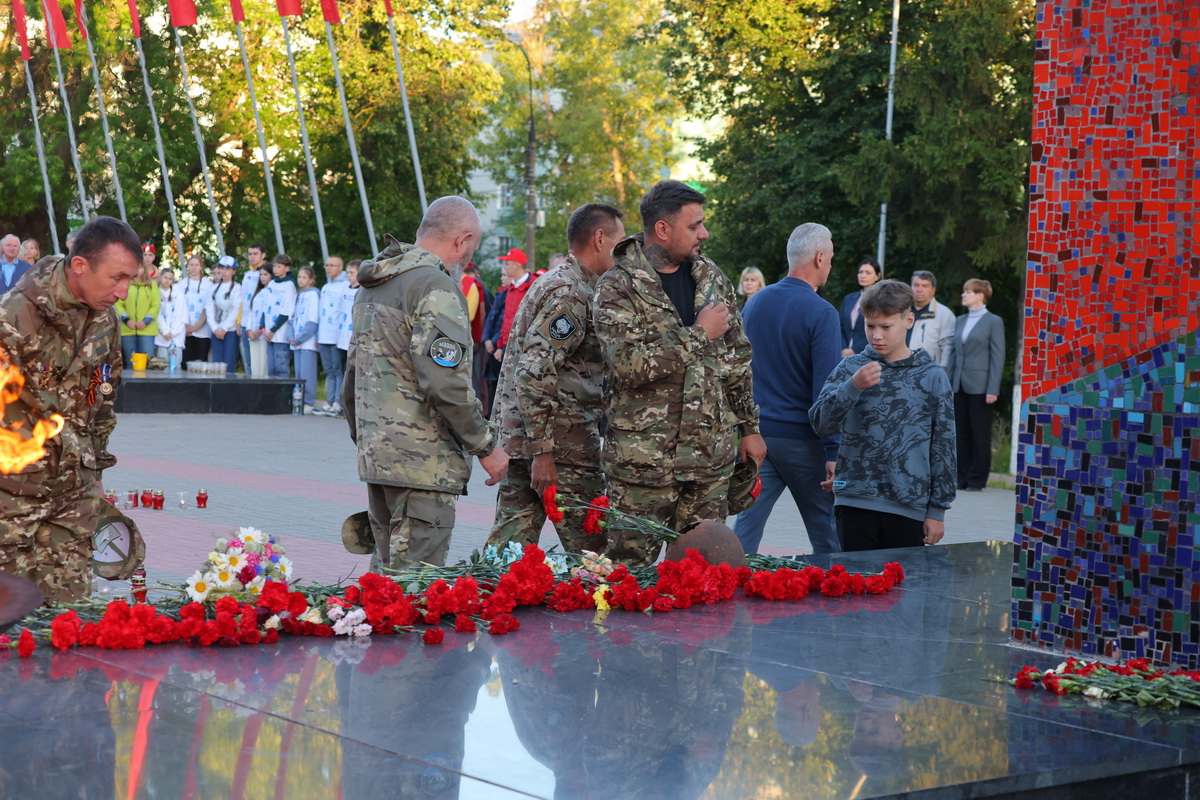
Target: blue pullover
<point x="797" y="341"/>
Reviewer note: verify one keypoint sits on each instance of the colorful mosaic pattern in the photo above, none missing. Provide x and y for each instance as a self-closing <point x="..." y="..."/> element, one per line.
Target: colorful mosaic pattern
<point x="1106" y="556"/>
<point x="1114" y="267"/>
<point x="1106" y="560"/>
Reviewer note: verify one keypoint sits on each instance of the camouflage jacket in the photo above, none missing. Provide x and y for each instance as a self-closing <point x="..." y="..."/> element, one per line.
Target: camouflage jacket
<point x="67" y="352"/>
<point x="550" y="394"/>
<point x="407" y="393"/>
<point x="674" y="398"/>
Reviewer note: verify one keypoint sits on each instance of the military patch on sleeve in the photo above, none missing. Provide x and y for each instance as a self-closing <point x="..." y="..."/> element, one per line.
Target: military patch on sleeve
<point x="446" y="352"/>
<point x="562" y="326"/>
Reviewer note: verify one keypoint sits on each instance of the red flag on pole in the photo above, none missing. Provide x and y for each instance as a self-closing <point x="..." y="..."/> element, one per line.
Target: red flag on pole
<point x="22" y="34"/>
<point x="239" y="14"/>
<point x="56" y="26"/>
<point x="79" y="19"/>
<point x="183" y="13"/>
<point x="134" y="19"/>
<point x="289" y="8"/>
<point x="387" y="5"/>
<point x="330" y="10"/>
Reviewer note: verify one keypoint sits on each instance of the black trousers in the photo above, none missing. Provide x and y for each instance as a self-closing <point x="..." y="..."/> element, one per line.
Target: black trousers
<point x="973" y="420"/>
<point x="196" y="349"/>
<point x="864" y="529"/>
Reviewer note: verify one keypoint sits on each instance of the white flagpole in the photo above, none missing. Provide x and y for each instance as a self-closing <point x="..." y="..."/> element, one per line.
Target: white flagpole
<point x="187" y="92"/>
<point x="108" y="142"/>
<point x="162" y="158"/>
<point x="308" y="162"/>
<point x="41" y="151"/>
<point x="62" y="91"/>
<point x="262" y="141"/>
<point x="412" y="139"/>
<point x="362" y="186"/>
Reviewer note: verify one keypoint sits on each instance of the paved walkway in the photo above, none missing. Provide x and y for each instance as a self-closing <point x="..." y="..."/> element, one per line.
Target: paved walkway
<point x="298" y="478"/>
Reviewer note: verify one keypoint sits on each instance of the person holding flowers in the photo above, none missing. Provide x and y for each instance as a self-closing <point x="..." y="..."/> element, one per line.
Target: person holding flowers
<point x="550" y="394"/>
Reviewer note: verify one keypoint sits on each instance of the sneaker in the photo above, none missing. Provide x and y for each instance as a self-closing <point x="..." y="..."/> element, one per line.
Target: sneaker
<point x="324" y="411"/>
<point x="335" y="410"/>
<point x="308" y="409"/>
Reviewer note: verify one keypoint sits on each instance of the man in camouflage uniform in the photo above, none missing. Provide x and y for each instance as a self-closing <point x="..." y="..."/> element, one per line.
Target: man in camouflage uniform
<point x="551" y="389"/>
<point x="58" y="327"/>
<point x="407" y="394"/>
<point x="678" y="371"/>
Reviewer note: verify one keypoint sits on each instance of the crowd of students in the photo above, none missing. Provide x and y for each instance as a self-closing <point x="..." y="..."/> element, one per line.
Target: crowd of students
<point x="278" y="323"/>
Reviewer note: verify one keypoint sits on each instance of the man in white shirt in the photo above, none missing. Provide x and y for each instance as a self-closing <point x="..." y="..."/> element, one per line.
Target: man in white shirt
<point x="934" y="328"/>
<point x="256" y="256"/>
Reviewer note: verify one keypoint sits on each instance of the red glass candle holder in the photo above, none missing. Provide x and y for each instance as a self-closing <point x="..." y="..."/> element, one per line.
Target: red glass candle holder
<point x="159" y="500"/>
<point x="147" y="498"/>
<point x="202" y="499"/>
<point x="111" y="497"/>
<point x="137" y="585"/>
<point x="133" y="498"/>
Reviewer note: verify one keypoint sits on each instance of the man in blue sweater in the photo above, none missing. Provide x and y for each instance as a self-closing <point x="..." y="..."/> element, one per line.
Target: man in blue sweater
<point x="796" y="336"/>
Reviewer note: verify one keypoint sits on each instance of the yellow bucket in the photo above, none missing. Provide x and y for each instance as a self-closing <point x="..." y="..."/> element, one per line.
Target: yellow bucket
<point x="139" y="360"/>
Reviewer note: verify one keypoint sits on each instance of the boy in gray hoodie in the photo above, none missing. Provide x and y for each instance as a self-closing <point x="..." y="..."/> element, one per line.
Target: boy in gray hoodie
<point x="897" y="465"/>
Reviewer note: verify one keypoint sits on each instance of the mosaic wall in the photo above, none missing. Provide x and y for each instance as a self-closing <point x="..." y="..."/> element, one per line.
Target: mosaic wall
<point x="1106" y="507"/>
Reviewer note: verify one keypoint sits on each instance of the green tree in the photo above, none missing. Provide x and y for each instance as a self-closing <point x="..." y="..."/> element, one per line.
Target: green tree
<point x="803" y="88"/>
<point x="603" y="110"/>
<point x="441" y="43"/>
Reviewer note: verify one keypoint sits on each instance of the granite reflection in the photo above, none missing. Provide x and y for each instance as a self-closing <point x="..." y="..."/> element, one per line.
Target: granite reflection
<point x="867" y="696"/>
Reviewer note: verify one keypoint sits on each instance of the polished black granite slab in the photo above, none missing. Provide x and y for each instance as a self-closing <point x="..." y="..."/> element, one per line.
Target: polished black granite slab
<point x="851" y="697"/>
<point x="158" y="392"/>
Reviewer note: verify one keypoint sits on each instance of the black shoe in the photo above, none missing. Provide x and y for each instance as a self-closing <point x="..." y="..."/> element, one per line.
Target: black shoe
<point x="962" y="485"/>
<point x="973" y="488"/>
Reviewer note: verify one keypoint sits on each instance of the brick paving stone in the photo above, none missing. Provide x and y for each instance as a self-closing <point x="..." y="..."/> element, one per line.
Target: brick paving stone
<point x="298" y="478"/>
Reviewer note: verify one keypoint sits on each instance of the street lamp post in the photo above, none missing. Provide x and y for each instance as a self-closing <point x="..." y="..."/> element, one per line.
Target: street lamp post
<point x="530" y="167"/>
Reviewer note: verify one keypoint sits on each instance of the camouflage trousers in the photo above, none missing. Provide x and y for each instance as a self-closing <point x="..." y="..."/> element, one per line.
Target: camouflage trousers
<point x="520" y="513"/>
<point x="677" y="506"/>
<point x="411" y="526"/>
<point x="49" y="539"/>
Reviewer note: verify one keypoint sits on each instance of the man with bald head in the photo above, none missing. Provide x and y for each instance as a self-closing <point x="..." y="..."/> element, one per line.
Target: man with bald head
<point x="407" y="393"/>
<point x="11" y="265"/>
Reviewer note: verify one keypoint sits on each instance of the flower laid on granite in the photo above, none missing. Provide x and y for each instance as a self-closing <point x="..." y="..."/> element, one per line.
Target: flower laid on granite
<point x="1136" y="681"/>
<point x="259" y="605"/>
<point x="594" y="567"/>
<point x="240" y="565"/>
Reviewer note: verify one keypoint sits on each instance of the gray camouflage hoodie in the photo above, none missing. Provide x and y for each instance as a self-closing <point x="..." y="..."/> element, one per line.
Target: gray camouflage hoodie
<point x="898" y="452"/>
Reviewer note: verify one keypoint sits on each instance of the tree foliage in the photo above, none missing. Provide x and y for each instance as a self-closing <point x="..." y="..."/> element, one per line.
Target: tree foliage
<point x="440" y="43"/>
<point x="803" y="87"/>
<point x="603" y="109"/>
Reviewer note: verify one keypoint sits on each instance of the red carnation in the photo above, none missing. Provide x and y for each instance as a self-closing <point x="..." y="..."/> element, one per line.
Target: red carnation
<point x="464" y="624"/>
<point x="25" y="644"/>
<point x="247" y="574"/>
<point x="274" y="597"/>
<point x="64" y="630"/>
<point x="595" y="515"/>
<point x="550" y="502"/>
<point x="503" y="624"/>
<point x="434" y="636"/>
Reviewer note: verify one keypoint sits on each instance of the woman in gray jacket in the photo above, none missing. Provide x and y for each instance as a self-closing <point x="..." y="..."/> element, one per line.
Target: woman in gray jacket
<point x="975" y="368"/>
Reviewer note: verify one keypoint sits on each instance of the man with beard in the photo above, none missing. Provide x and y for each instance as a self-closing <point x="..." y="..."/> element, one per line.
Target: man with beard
<point x="678" y="374"/>
<point x="407" y="393"/>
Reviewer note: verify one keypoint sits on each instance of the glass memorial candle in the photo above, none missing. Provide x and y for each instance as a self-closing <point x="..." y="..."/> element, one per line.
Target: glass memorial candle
<point x="159" y="499"/>
<point x="202" y="499"/>
<point x="147" y="498"/>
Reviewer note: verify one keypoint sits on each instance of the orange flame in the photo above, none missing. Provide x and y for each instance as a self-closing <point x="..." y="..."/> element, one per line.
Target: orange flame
<point x="16" y="451"/>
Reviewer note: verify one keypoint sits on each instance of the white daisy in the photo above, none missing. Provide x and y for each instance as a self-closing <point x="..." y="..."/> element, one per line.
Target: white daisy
<point x="256" y="586"/>
<point x="223" y="576"/>
<point x="234" y="560"/>
<point x="252" y="535"/>
<point x="285" y="566"/>
<point x="199" y="585"/>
